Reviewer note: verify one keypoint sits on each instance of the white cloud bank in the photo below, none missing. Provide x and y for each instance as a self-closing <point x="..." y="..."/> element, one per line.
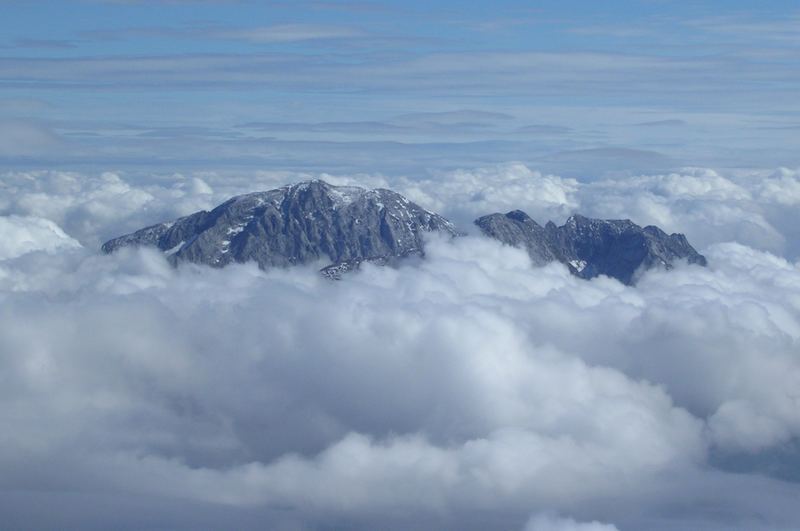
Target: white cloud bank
<point x="21" y="235"/>
<point x="470" y="391"/>
<point x="758" y="208"/>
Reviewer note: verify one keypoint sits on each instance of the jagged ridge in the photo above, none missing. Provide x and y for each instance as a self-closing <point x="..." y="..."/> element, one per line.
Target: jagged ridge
<point x="592" y="247"/>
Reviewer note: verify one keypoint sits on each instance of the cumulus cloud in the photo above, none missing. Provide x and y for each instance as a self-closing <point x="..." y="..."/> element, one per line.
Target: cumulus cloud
<point x="707" y="206"/>
<point x="468" y="194"/>
<point x="758" y="209"/>
<point x="469" y="390"/>
<point x="93" y="208"/>
<point x="22" y="235"/>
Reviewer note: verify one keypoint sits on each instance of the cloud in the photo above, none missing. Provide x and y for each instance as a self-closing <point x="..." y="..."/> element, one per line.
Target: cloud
<point x="25" y="234"/>
<point x="465" y="195"/>
<point x="545" y="129"/>
<point x="781" y="30"/>
<point x="602" y="98"/>
<point x="552" y="523"/>
<point x="443" y="124"/>
<point x="592" y="77"/>
<point x="23" y="138"/>
<point x="466" y="391"/>
<point x="326" y="127"/>
<point x="662" y="123"/>
<point x="469" y="383"/>
<point x="287" y="33"/>
<point x="707" y="206"/>
<point x="608" y="158"/>
<point x="91" y="209"/>
<point x="452" y="117"/>
<point x="755" y="208"/>
<point x="52" y="44"/>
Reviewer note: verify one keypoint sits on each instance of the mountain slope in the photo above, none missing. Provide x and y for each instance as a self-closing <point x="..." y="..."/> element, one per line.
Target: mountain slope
<point x="297" y="224"/>
<point x="591" y="247"/>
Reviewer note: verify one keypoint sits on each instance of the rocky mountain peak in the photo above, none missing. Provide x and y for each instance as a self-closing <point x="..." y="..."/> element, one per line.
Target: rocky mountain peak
<point x="308" y="222"/>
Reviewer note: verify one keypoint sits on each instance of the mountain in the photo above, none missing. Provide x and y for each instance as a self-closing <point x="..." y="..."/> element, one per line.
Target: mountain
<point x="345" y="226"/>
<point x="297" y="224"/>
<point x="591" y="247"/>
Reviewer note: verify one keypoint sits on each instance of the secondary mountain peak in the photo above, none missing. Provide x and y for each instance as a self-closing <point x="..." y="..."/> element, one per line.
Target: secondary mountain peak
<point x="590" y="247"/>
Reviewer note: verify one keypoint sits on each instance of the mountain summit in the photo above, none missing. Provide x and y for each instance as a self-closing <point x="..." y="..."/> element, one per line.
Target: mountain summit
<point x="296" y="224"/>
<point x="590" y="247"/>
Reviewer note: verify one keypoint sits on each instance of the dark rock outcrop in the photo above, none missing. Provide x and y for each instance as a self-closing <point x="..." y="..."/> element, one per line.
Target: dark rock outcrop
<point x="591" y="247"/>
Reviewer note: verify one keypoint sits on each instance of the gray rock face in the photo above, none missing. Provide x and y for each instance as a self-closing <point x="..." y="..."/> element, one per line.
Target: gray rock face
<point x="591" y="247"/>
<point x="297" y="224"/>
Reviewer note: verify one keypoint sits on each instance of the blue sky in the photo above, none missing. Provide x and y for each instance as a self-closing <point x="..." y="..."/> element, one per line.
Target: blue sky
<point x="581" y="88"/>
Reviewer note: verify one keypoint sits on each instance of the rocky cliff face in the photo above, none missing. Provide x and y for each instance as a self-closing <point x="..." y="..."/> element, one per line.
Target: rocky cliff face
<point x="298" y="224"/>
<point x="591" y="247"/>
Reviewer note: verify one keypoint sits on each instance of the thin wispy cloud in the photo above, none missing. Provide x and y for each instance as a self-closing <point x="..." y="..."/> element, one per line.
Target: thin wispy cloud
<point x="779" y="29"/>
<point x="663" y="123"/>
<point x="365" y="65"/>
<point x="53" y="44"/>
<point x="286" y="33"/>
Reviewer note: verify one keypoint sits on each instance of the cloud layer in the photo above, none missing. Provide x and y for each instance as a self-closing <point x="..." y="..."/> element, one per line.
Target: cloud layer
<point x="756" y="208"/>
<point x="364" y="86"/>
<point x="468" y="391"/>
